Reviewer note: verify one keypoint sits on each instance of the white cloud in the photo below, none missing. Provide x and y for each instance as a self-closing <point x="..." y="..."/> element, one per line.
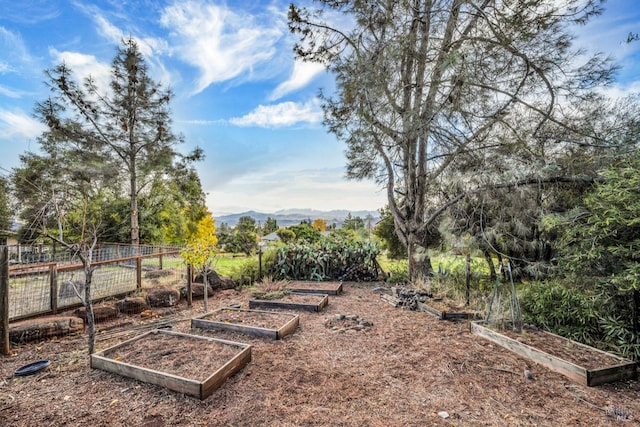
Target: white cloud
<point x="302" y="74"/>
<point x="18" y="124"/>
<point x="84" y="66"/>
<point x="321" y="189"/>
<point x="8" y="92"/>
<point x="13" y="53"/>
<point x="221" y="43"/>
<point x="148" y="45"/>
<point x="280" y="115"/>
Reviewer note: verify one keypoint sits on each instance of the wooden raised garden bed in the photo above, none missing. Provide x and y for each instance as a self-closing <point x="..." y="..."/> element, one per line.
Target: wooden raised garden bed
<point x="294" y="301"/>
<point x="446" y="314"/>
<point x="329" y="288"/>
<point x="261" y="323"/>
<point x="188" y="364"/>
<point x="581" y="363"/>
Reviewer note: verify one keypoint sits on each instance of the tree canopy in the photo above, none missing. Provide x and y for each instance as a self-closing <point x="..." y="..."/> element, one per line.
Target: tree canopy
<point x="117" y="139"/>
<point x="124" y="130"/>
<point x="438" y="98"/>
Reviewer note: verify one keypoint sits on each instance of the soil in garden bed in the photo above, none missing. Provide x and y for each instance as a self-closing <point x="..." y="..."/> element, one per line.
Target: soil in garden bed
<point x="562" y="348"/>
<point x="319" y="286"/>
<point x="194" y="359"/>
<point x="252" y="318"/>
<point x="295" y="298"/>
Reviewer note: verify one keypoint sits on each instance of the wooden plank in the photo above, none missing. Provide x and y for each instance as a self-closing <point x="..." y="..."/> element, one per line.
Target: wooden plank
<point x="276" y="304"/>
<point x="393" y="301"/>
<point x="575" y="372"/>
<point x="218" y="378"/>
<point x="199" y="389"/>
<point x="457" y="316"/>
<point x="290" y="326"/>
<point x="5" y="346"/>
<point x="625" y="371"/>
<point x="427" y="309"/>
<point x="331" y="288"/>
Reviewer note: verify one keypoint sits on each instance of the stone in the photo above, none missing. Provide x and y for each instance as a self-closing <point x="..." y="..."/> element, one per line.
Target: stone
<point x="100" y="314"/>
<point x="216" y="281"/>
<point x="132" y="305"/>
<point x="162" y="297"/>
<point x="44" y="327"/>
<point x="197" y="291"/>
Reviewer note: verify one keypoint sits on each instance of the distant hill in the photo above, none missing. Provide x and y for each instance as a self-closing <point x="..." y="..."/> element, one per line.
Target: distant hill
<point x="288" y="217"/>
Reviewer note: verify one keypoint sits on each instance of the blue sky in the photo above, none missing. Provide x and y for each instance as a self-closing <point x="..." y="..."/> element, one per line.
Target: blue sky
<point x="239" y="93"/>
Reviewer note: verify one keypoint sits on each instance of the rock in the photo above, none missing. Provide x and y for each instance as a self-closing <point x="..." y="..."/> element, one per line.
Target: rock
<point x="197" y="291"/>
<point x="132" y="305"/>
<point x="162" y="297"/>
<point x="443" y="414"/>
<point x="100" y="314"/>
<point x="528" y="375"/>
<point x="216" y="281"/>
<point x="44" y="327"/>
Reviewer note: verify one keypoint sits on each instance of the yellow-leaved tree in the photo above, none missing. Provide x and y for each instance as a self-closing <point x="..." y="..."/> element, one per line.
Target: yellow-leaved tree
<point x="201" y="250"/>
<point x="319" y="224"/>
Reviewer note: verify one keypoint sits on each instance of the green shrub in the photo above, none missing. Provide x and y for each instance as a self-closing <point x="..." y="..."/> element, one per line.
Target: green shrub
<point x="564" y="310"/>
<point x="329" y="259"/>
<point x="247" y="271"/>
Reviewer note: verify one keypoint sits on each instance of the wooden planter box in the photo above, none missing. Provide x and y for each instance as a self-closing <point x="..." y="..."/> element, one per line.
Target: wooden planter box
<point x="291" y="304"/>
<point x="621" y="369"/>
<point x="329" y="288"/>
<point x="444" y="315"/>
<point x="192" y="387"/>
<point x="282" y="329"/>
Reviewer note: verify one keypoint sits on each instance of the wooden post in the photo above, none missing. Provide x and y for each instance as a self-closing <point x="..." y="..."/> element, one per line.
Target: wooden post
<point x="53" y="284"/>
<point x="139" y="273"/>
<point x="189" y="282"/>
<point x="5" y="348"/>
<point x="160" y="259"/>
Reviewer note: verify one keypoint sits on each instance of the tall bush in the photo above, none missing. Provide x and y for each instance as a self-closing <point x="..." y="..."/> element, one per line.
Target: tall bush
<point x="330" y="258"/>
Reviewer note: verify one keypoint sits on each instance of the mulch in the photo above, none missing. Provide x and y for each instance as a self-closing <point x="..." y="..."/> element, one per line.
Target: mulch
<point x="406" y="369"/>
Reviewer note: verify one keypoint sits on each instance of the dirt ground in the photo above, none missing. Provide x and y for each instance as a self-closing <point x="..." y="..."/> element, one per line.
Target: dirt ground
<point x="406" y="369"/>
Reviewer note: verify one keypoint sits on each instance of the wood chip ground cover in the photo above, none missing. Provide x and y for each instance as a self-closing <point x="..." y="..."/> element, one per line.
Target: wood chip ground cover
<point x="402" y="371"/>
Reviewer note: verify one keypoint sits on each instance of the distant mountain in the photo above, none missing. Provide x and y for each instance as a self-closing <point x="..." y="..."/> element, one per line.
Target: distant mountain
<point x="288" y="217"/>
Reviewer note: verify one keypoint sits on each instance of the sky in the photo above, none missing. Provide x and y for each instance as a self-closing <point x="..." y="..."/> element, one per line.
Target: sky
<point x="240" y="95"/>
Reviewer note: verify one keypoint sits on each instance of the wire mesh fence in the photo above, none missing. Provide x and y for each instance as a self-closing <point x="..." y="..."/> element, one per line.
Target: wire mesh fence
<point x="40" y="287"/>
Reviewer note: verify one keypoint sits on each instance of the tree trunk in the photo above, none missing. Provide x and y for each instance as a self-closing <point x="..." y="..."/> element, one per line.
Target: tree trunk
<point x="492" y="267"/>
<point x="467" y="289"/>
<point x="135" y="228"/>
<point x="419" y="262"/>
<point x="88" y="305"/>
<point x="205" y="280"/>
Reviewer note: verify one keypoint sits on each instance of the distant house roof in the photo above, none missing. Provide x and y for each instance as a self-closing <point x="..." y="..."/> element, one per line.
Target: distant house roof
<point x="271" y="237"/>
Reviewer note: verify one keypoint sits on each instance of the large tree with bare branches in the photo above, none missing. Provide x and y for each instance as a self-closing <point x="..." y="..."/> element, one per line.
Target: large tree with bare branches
<point x="437" y="98"/>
